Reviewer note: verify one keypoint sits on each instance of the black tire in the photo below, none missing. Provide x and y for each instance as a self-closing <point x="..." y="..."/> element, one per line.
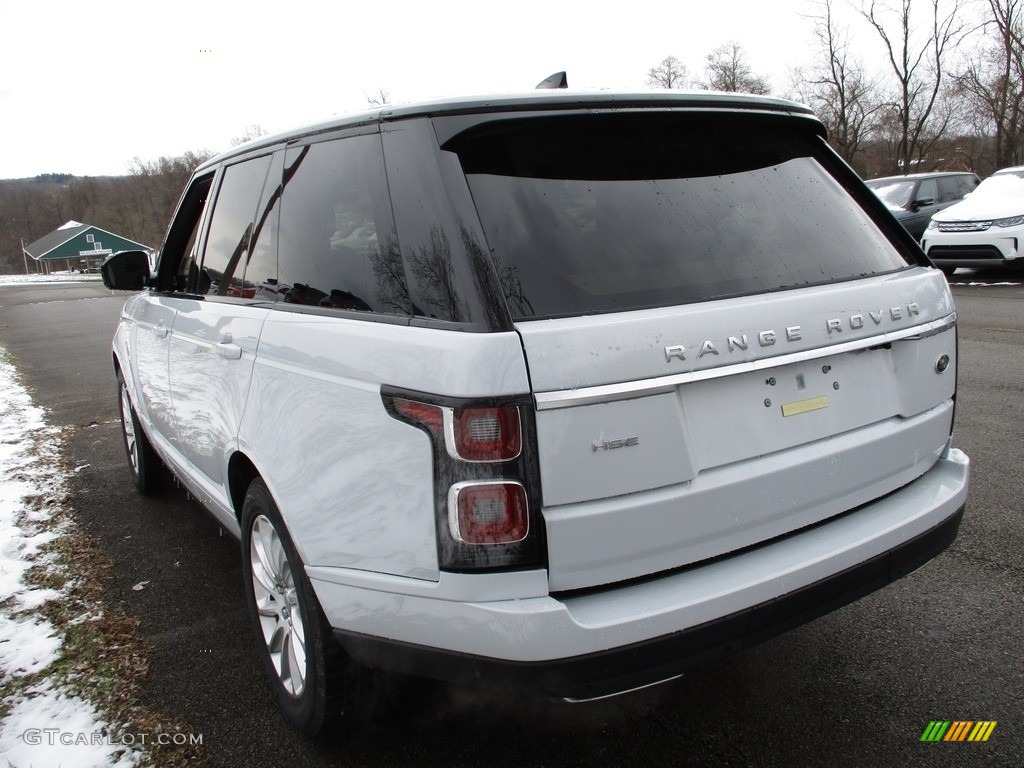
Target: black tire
<point x="148" y="472"/>
<point x="948" y="271"/>
<point x="318" y="692"/>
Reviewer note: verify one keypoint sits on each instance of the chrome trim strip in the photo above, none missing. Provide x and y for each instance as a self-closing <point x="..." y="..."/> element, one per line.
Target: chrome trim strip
<point x="606" y="393"/>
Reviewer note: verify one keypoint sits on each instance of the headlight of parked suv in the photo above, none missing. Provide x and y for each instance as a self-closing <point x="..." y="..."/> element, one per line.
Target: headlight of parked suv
<point x="1009" y="221"/>
<point x="933" y="224"/>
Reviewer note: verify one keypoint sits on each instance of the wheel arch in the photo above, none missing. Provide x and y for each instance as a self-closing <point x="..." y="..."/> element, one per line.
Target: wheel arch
<point x="241" y="472"/>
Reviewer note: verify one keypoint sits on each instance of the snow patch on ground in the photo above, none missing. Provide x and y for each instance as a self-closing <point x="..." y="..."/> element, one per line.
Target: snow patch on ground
<point x="49" y="728"/>
<point x="45" y="725"/>
<point x="56" y="277"/>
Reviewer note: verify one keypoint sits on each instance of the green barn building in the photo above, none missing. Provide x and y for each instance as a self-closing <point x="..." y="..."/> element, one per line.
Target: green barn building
<point x="79" y="246"/>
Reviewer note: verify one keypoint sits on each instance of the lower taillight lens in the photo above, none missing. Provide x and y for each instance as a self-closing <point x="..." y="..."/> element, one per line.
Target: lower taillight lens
<point x="488" y="513"/>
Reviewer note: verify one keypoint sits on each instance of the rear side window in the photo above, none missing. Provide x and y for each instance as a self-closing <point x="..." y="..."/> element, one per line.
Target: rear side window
<point x="966" y="184"/>
<point x="336" y="241"/>
<point x="949" y="190"/>
<point x="608" y="214"/>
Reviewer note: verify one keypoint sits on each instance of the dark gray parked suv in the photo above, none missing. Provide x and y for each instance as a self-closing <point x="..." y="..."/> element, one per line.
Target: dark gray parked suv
<point x="915" y="198"/>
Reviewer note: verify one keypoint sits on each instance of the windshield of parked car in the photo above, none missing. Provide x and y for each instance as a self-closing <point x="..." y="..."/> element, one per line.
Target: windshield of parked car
<point x="1000" y="185"/>
<point x="603" y="214"/>
<point x="894" y="193"/>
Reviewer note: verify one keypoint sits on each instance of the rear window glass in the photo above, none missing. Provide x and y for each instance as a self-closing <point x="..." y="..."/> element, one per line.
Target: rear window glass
<point x="609" y="214"/>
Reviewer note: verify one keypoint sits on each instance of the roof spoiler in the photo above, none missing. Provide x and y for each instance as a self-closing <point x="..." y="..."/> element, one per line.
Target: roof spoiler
<point x="557" y="80"/>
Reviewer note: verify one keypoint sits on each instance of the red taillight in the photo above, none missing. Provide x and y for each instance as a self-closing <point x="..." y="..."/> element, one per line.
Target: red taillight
<point x="488" y="513"/>
<point x="470" y="434"/>
<point x="487" y="434"/>
<point x="430" y="416"/>
<point x="485" y="478"/>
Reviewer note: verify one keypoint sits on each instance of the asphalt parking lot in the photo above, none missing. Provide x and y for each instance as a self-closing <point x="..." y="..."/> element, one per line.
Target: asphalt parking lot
<point x="855" y="688"/>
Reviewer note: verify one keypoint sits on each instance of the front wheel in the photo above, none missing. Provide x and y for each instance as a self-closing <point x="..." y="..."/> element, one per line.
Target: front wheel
<point x="313" y="679"/>
<point x="148" y="472"/>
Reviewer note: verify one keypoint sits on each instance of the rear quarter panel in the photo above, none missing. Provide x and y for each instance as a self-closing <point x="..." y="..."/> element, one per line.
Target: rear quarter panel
<point x="354" y="485"/>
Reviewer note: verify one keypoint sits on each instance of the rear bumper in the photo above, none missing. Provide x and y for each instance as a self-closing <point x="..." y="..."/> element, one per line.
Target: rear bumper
<point x="606" y="642"/>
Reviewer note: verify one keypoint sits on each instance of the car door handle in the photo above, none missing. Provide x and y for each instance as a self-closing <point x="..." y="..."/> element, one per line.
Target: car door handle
<point x="228" y="350"/>
<point x="160" y="331"/>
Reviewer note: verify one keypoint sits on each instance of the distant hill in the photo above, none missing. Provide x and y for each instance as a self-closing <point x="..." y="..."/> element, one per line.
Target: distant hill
<point x="137" y="206"/>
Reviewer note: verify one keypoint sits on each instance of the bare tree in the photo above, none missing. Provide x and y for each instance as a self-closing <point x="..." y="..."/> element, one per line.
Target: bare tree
<point x="380" y="98"/>
<point x="669" y="73"/>
<point x="838" y="89"/>
<point x="727" y="69"/>
<point x="992" y="83"/>
<point x="249" y="133"/>
<point x="916" y="53"/>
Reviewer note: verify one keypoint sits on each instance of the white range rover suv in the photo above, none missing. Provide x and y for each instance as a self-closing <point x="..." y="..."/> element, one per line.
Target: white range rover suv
<point x="563" y="392"/>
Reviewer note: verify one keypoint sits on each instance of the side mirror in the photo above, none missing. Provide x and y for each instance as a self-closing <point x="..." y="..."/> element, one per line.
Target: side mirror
<point x="923" y="201"/>
<point x="125" y="271"/>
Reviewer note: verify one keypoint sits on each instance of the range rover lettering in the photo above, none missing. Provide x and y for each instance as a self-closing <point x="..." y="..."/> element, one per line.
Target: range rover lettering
<point x="561" y="392"/>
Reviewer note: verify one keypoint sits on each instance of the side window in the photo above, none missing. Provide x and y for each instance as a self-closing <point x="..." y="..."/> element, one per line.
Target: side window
<point x="967" y="184"/>
<point x="447" y="260"/>
<point x="927" y="191"/>
<point x="178" y="254"/>
<point x="260" y="278"/>
<point x="230" y="230"/>
<point x="337" y="247"/>
<point x="949" y="190"/>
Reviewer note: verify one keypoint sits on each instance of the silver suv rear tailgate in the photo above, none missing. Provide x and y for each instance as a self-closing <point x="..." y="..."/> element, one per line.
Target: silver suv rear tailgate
<point x="668" y="437"/>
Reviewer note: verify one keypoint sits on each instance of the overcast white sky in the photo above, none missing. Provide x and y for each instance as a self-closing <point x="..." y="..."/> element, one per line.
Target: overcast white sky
<point x="85" y="86"/>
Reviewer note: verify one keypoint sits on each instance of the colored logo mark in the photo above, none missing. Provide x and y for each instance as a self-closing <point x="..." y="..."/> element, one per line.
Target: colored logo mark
<point x="958" y="730"/>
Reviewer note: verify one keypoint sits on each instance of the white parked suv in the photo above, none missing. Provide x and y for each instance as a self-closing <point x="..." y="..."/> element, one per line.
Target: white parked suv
<point x="985" y="230"/>
<point x="562" y="392"/>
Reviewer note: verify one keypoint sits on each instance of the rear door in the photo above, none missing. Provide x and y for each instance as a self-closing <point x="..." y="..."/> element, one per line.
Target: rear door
<point x="723" y="346"/>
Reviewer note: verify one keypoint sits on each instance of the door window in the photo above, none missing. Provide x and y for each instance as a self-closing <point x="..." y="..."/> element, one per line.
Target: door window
<point x="966" y="184"/>
<point x="260" y="278"/>
<point x="231" y="228"/>
<point x="949" y="190"/>
<point x="927" y="191"/>
<point x="179" y="252"/>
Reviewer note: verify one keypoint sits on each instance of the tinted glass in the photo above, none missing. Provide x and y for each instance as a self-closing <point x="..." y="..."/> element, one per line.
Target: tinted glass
<point x="231" y="227"/>
<point x="337" y="246"/>
<point x="608" y="214"/>
<point x="949" y="190"/>
<point x="966" y="184"/>
<point x="178" y="254"/>
<point x="450" y="276"/>
<point x="928" y="191"/>
<point x="260" y="279"/>
<point x="894" y="193"/>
